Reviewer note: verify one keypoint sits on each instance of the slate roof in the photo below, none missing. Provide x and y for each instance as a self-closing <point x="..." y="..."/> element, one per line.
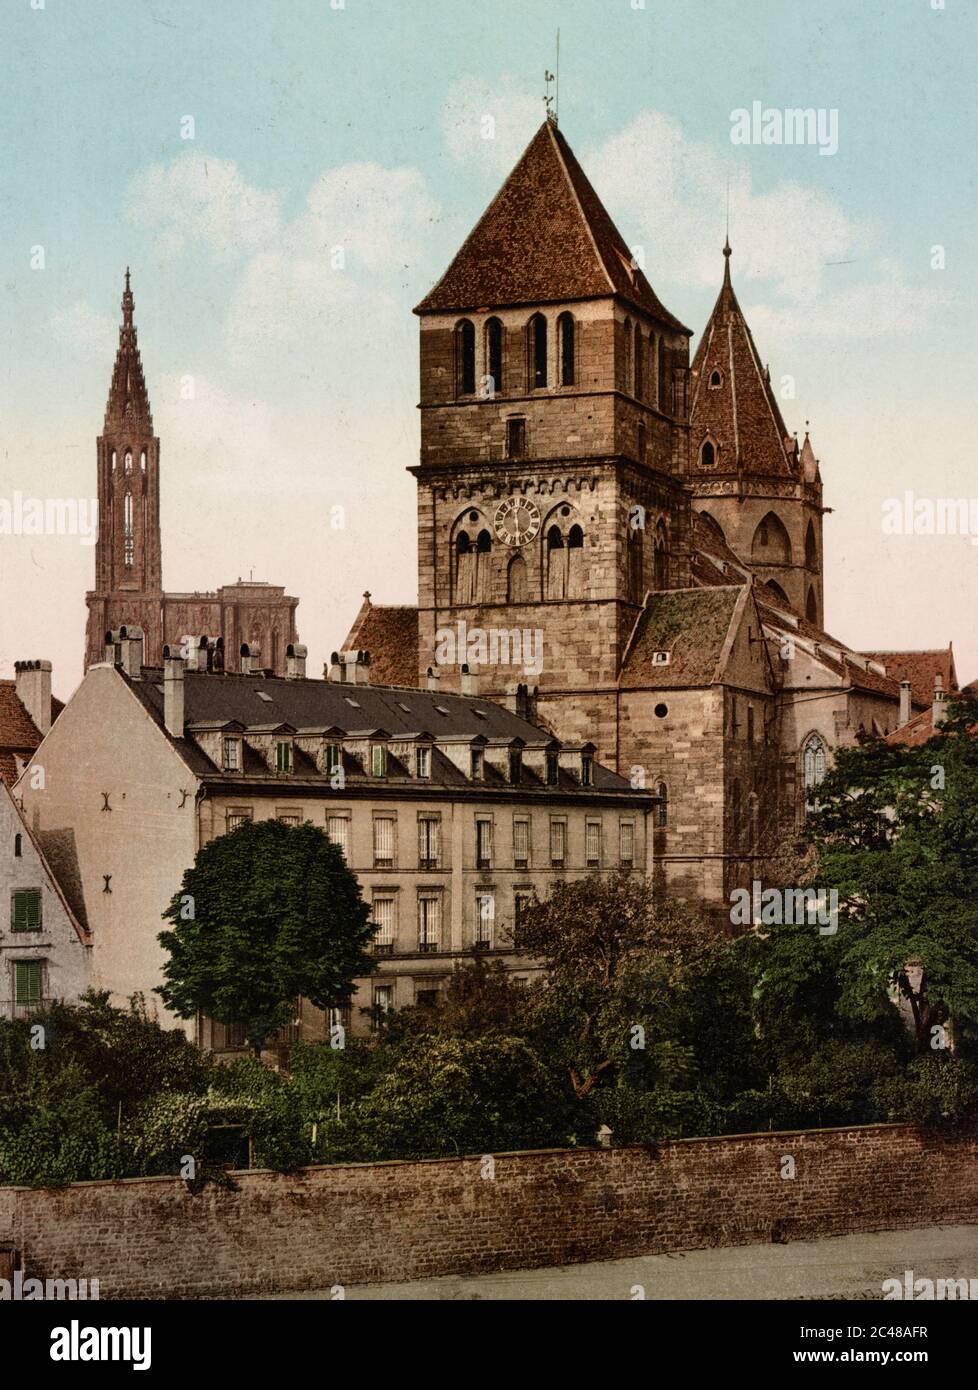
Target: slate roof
<point x="317" y="704"/>
<point x="919" y="668"/>
<point x="545" y="238"/>
<point x="742" y="414"/>
<point x="390" y="635"/>
<point x="692" y="626"/>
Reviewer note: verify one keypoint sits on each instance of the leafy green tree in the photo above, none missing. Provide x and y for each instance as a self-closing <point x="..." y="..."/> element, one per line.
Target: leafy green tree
<point x="267" y="914"/>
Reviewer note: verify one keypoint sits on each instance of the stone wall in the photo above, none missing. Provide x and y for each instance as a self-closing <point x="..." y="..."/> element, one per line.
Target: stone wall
<point x="354" y="1224"/>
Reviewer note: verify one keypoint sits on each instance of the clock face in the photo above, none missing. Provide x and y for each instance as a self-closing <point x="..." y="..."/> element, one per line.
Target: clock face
<point x="517" y="521"/>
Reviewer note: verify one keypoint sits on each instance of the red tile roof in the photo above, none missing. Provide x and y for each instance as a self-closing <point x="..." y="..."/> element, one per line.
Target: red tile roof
<point x="545" y="238"/>
<point x="18" y="732"/>
<point x="741" y="414"/>
<point x="390" y="635"/>
<point x="919" y="668"/>
<point x="921" y="727"/>
<point x="692" y="626"/>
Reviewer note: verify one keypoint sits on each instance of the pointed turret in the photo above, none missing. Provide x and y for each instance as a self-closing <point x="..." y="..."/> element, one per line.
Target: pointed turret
<point x="128" y="404"/>
<point x="809" y="463"/>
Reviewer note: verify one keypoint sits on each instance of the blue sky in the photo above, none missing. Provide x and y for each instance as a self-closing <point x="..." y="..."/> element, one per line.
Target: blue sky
<point x="359" y="127"/>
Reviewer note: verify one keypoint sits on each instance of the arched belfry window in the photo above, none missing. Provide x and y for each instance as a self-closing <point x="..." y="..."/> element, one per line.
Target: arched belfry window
<point x="464" y="569"/>
<point x="708" y="454"/>
<point x="483" y="567"/>
<point x="639" y="363"/>
<point x="142" y="461"/>
<point x="128" y="461"/>
<point x="517" y="584"/>
<point x="537" y="350"/>
<point x="636" y="567"/>
<point x="811" y="607"/>
<point x="629" y="369"/>
<point x="663" y="381"/>
<point x="494" y="357"/>
<point x="113" y="460"/>
<point x="465" y="358"/>
<point x="575" y="562"/>
<point x="565" y="327"/>
<point x="811" y="548"/>
<point x="129" y="540"/>
<point x="771" y="544"/>
<point x="661" y="559"/>
<point x="813" y="770"/>
<point x="556" y="564"/>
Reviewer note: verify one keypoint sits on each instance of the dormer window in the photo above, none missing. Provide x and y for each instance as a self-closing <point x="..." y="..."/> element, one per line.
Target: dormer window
<point x="552" y="769"/>
<point x="716" y="381"/>
<point x="515" y="766"/>
<point x="283" y="756"/>
<point x="587" y="770"/>
<point x="333" y="758"/>
<point x="232" y="755"/>
<point x="422" y="761"/>
<point x="478" y="764"/>
<point x="378" y="760"/>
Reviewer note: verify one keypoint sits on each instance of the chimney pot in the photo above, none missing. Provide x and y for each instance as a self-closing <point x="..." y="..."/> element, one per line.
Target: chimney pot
<point x="173" y="695"/>
<point x="295" y="661"/>
<point x="904" y="701"/>
<point x="33" y="688"/>
<point x="469" y="680"/>
<point x="433" y="678"/>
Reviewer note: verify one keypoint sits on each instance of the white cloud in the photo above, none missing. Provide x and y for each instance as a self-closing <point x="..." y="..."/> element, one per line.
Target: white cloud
<point x="489" y="124"/>
<point x="199" y="199"/>
<point x="80" y="326"/>
<point x="668" y="194"/>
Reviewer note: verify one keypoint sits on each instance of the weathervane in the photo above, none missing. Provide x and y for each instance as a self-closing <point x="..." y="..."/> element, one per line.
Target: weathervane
<point x="552" y="101"/>
<point x="548" y="100"/>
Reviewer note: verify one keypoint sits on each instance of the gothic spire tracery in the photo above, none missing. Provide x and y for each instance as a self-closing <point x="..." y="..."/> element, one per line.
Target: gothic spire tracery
<point x="128" y="404"/>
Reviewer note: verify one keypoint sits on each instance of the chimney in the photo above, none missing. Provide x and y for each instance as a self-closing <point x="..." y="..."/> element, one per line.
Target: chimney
<point x="469" y="680"/>
<point x="173" y="694"/>
<point x="904" y="701"/>
<point x="110" y="652"/>
<point x="131" y="651"/>
<point x="33" y="687"/>
<point x="334" y="671"/>
<point x="433" y="679"/>
<point x="357" y="665"/>
<point x="251" y="659"/>
<point x="197" y="661"/>
<point x="295" y="662"/>
<point x="940" y="708"/>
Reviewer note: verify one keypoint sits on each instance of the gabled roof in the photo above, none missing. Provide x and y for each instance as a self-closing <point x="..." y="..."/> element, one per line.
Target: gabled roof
<point x="919" y="668"/>
<point x="741" y="414"/>
<point x="546" y="237"/>
<point x="692" y="626"/>
<point x="390" y="635"/>
<point x="58" y="858"/>
<point x="19" y="735"/>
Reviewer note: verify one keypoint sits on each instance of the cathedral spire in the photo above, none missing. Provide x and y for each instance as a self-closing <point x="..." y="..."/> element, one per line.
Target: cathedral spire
<point x="128" y="404"/>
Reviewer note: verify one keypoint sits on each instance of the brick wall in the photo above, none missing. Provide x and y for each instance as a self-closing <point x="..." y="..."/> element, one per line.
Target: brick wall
<point x="393" y="1221"/>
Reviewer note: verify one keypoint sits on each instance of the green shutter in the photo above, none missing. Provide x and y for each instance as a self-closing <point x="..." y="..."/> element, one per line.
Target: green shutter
<point x="27" y="910"/>
<point x="27" y="981"/>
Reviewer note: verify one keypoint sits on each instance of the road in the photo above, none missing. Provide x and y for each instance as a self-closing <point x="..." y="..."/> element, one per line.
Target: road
<point x="840" y="1267"/>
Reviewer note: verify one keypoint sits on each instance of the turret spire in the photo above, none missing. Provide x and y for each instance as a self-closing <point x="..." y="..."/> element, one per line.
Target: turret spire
<point x="128" y="403"/>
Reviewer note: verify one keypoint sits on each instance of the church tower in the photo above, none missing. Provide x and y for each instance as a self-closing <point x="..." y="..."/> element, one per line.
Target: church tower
<point x="128" y="568"/>
<point x="553" y="479"/>
<point x="752" y="485"/>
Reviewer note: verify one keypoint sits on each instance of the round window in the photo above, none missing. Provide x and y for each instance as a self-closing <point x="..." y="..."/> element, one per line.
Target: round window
<point x="661" y="711"/>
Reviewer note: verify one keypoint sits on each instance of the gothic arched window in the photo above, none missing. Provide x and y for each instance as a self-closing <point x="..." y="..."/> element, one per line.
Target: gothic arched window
<point x="636" y="567"/>
<point x="129" y="541"/>
<point x="662" y="810"/>
<point x="811" y="549"/>
<point x="639" y="364"/>
<point x="517" y="586"/>
<point x="663" y="379"/>
<point x="465" y="358"/>
<point x="142" y="462"/>
<point x="113" y="460"/>
<point x="128" y="462"/>
<point x="575" y="562"/>
<point x="661" y="558"/>
<point x="771" y="544"/>
<point x="537" y="350"/>
<point x="715" y="380"/>
<point x="494" y="356"/>
<point x="811" y="607"/>
<point x="464" y="569"/>
<point x="813" y="770"/>
<point x="556" y="564"/>
<point x="628" y="355"/>
<point x="565" y="327"/>
<point x="483" y="563"/>
<point x="708" y="454"/>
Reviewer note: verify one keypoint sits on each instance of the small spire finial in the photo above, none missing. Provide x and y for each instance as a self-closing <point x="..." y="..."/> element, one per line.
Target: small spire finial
<point x="727" y="253"/>
<point x="127" y="303"/>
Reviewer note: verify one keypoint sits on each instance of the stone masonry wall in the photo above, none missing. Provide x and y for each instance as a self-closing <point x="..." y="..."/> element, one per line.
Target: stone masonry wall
<point x="149" y="1238"/>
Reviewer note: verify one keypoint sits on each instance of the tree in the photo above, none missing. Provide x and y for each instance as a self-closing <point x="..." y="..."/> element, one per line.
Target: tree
<point x="896" y="836"/>
<point x="266" y="915"/>
<point x="615" y="955"/>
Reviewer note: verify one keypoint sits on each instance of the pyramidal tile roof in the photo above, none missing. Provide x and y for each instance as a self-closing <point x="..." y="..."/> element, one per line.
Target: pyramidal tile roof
<point x="128" y="403"/>
<point x="740" y="413"/>
<point x="546" y="237"/>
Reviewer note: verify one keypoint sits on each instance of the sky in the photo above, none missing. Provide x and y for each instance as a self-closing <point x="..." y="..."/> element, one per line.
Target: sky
<point x="288" y="180"/>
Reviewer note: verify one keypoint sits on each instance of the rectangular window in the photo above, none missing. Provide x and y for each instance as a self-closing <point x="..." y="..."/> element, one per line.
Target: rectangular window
<point x="27" y="982"/>
<point x="429" y="922"/>
<point x="515" y="438"/>
<point x="378" y="760"/>
<point x="383" y="842"/>
<point x="232" y="755"/>
<point x="383" y="916"/>
<point x="283" y="757"/>
<point x="592" y="844"/>
<point x="515" y="767"/>
<point x="587" y="771"/>
<point x="485" y="920"/>
<point x="290" y="817"/>
<point x="558" y="843"/>
<point x="25" y="913"/>
<point x="483" y="843"/>
<point x="552" y="769"/>
<point x="426" y="998"/>
<point x="478" y="764"/>
<point x="237" y="815"/>
<point x="626" y="842"/>
<point x="521" y="902"/>
<point x="333" y="761"/>
<point x="521" y="843"/>
<point x="428" y="827"/>
<point x="422" y="762"/>
<point x="383" y="998"/>
<point x="338" y="830"/>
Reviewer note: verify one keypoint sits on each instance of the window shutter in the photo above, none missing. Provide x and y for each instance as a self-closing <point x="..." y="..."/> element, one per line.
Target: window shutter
<point x="384" y="919"/>
<point x="593" y="847"/>
<point x="27" y="910"/>
<point x="521" y="839"/>
<point x="27" y="982"/>
<point x="383" y="838"/>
